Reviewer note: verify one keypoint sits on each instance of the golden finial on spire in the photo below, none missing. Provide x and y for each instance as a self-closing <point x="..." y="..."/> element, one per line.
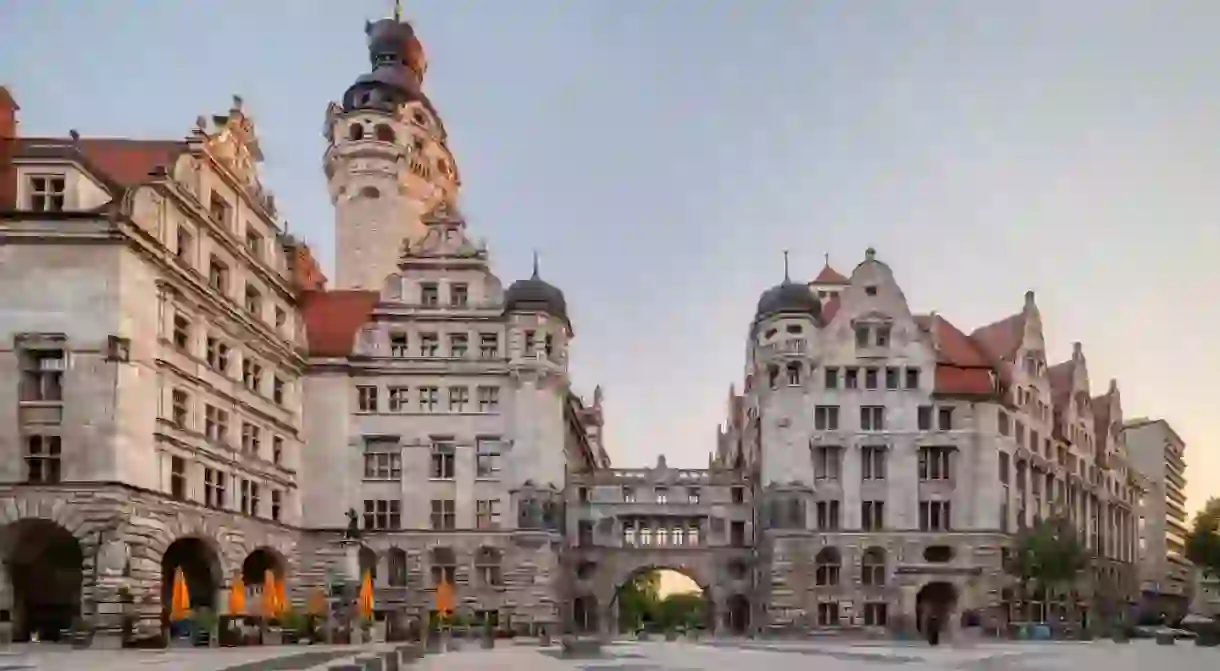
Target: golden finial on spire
<point x="398" y="11"/>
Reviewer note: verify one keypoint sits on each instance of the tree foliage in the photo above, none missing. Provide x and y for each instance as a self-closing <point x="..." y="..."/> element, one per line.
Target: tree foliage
<point x="1203" y="541"/>
<point x="681" y="610"/>
<point x="638" y="599"/>
<point x="1048" y="554"/>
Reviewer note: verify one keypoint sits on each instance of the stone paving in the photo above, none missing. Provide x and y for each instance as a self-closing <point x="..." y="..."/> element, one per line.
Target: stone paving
<point x="661" y="656"/>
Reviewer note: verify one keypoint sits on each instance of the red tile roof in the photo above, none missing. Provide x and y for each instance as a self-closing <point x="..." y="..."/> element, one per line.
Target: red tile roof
<point x="1001" y="340"/>
<point x="830" y="309"/>
<point x="830" y="276"/>
<point x="129" y="162"/>
<point x="962" y="369"/>
<point x="333" y="318"/>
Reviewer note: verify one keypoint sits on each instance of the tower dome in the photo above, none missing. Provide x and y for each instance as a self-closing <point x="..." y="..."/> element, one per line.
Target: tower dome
<point x="536" y="295"/>
<point x="398" y="67"/>
<point x="788" y="297"/>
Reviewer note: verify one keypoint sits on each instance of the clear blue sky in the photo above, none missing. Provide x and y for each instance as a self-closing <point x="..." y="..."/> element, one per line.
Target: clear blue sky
<point x="662" y="154"/>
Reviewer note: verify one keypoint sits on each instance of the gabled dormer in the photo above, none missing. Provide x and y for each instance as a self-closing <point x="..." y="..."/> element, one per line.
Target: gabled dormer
<point x="1017" y="347"/>
<point x="1073" y="412"/>
<point x="1108" y="424"/>
<point x="444" y="269"/>
<point x="872" y="318"/>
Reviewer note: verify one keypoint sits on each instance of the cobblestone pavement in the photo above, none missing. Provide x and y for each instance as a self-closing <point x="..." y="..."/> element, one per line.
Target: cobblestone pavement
<point x="677" y="656"/>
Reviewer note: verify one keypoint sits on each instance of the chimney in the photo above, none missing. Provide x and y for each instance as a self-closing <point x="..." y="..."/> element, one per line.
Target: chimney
<point x="8" y="135"/>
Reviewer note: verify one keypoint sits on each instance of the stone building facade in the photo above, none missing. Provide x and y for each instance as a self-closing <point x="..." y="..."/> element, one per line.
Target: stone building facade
<point x="894" y="457"/>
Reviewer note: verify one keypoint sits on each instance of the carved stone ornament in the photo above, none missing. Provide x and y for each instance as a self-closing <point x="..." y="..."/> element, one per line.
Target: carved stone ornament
<point x="113" y="558"/>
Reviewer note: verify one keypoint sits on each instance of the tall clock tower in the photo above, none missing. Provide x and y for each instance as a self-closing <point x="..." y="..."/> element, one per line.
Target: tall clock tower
<point x="387" y="161"/>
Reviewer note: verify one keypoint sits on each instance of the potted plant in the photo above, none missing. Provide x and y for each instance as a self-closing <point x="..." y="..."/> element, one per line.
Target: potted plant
<point x="291" y="623"/>
<point x="82" y="633"/>
<point x="204" y="624"/>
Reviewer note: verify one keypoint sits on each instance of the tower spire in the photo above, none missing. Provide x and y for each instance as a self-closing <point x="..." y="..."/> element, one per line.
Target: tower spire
<point x="398" y="11"/>
<point x="535" y="276"/>
<point x="786" y="277"/>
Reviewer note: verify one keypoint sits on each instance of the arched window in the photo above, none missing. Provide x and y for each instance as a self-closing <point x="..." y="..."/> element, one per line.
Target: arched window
<point x="397" y="560"/>
<point x="384" y="133"/>
<point x="872" y="566"/>
<point x="444" y="565"/>
<point x="487" y="566"/>
<point x="420" y="118"/>
<point x="829" y="563"/>
<point x="368" y="563"/>
<point x="794" y="373"/>
<point x="370" y="192"/>
<point x="355" y="132"/>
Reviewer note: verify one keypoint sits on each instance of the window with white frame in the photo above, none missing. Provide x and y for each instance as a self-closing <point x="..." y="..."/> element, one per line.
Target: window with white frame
<point x="43" y="459"/>
<point x="489" y="399"/>
<point x="487" y="458"/>
<point x="48" y="193"/>
<point x="442" y="459"/>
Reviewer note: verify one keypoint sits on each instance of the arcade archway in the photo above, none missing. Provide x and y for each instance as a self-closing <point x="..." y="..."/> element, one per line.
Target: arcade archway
<point x="934" y="605"/>
<point x="201" y="568"/>
<point x="45" y="571"/>
<point x="661" y="597"/>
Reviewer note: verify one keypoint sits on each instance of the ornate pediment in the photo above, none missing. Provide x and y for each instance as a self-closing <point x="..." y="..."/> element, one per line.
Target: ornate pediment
<point x="446" y="238"/>
<point x="231" y="140"/>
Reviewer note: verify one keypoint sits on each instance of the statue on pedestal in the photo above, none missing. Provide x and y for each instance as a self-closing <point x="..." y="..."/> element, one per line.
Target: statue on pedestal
<point x="353" y="525"/>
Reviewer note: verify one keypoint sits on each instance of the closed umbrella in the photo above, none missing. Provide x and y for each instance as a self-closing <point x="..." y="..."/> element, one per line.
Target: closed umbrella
<point x="270" y="594"/>
<point x="365" y="602"/>
<point x="180" y="598"/>
<point x="237" y="597"/>
<point x="281" y="599"/>
<point x="444" y="598"/>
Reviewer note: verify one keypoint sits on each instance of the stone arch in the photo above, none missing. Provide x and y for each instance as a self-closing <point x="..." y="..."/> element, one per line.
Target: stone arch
<point x="260" y="560"/>
<point x="45" y="565"/>
<point x="936" y="605"/>
<point x="700" y="574"/>
<point x="384" y="133"/>
<point x="200" y="559"/>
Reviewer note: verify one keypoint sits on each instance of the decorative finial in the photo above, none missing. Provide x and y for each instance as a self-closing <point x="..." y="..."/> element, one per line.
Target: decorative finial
<point x="826" y="258"/>
<point x="535" y="276"/>
<point x="786" y="277"/>
<point x="870" y="254"/>
<point x="398" y="11"/>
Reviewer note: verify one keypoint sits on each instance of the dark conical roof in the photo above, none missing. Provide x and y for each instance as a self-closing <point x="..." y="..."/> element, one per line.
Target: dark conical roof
<point x="398" y="63"/>
<point x="536" y="295"/>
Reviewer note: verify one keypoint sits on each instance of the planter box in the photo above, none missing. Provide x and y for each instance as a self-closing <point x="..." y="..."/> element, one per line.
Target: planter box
<point x="1165" y="639"/>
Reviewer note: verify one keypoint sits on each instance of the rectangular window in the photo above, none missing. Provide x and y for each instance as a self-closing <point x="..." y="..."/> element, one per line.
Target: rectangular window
<point x="944" y="418"/>
<point x="218" y="275"/>
<point x="399" y="399"/>
<point x="277" y="450"/>
<point x="924" y="418"/>
<point x="182" y="331"/>
<point x="628" y="495"/>
<point x="826" y="418"/>
<point x="254" y="301"/>
<point x="870" y="378"/>
<point x="832" y="378"/>
<point x="251" y="438"/>
<point x="243" y="497"/>
<point x="442" y="460"/>
<point x="459" y="345"/>
<point x="47" y="193"/>
<point x="487" y="514"/>
<point x="219" y="208"/>
<point x="692" y="495"/>
<point x="43" y="459"/>
<point x="382" y="464"/>
<point x="177" y="478"/>
<point x="851" y="378"/>
<point x="181" y="409"/>
<point x="429" y="344"/>
<point x="934" y="516"/>
<point x="487" y="458"/>
<point x="429" y="399"/>
<point x="662" y="495"/>
<point x="862" y="336"/>
<point x="489" y="399"/>
<point x="489" y="345"/>
<point x="828" y="515"/>
<point x="912" y="378"/>
<point x="399" y="345"/>
<point x="42" y="374"/>
<point x="429" y="294"/>
<point x="216" y="424"/>
<point x="891" y="378"/>
<point x="251" y="374"/>
<point x="214" y="488"/>
<point x="458" y="398"/>
<point x="872" y="462"/>
<point x="184" y="244"/>
<point x="872" y="515"/>
<point x="366" y="398"/>
<point x="827" y="462"/>
<point x="872" y="418"/>
<point x="278" y="387"/>
<point x="882" y="336"/>
<point x="1004" y="467"/>
<point x="530" y="344"/>
<point x="934" y="463"/>
<point x="459" y="295"/>
<point x="382" y="514"/>
<point x="254" y="244"/>
<point x="444" y="514"/>
<point x="876" y="613"/>
<point x="738" y="494"/>
<point x="828" y="611"/>
<point x="217" y="354"/>
<point x="277" y="504"/>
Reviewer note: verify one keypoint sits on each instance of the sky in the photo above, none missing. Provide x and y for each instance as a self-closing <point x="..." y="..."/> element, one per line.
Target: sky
<point x="661" y="155"/>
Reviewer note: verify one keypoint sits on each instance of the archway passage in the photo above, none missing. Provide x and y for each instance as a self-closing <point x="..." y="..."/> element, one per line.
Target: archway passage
<point x="45" y="568"/>
<point x="934" y="605"/>
<point x="200" y="566"/>
<point x="584" y="614"/>
<point x="737" y="619"/>
<point x="659" y="598"/>
<point x="254" y="571"/>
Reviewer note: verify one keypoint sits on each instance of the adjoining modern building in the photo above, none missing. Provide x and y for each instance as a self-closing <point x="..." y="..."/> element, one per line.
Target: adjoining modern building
<point x="1166" y="576"/>
<point x="182" y="389"/>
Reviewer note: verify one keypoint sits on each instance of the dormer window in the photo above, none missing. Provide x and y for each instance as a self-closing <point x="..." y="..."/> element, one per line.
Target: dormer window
<point x="429" y="294"/>
<point x="883" y="335"/>
<point x="870" y="290"/>
<point x="873" y="335"/>
<point x="47" y="193"/>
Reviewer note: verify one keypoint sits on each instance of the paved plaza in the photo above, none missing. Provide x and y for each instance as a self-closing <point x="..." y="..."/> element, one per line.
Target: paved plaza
<point x="662" y="656"/>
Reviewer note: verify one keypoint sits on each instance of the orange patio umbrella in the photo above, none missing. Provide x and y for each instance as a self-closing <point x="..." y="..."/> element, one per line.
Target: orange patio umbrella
<point x="237" y="597"/>
<point x="316" y="604"/>
<point x="365" y="602"/>
<point x="281" y="599"/>
<point x="180" y="598"/>
<point x="445" y="598"/>
<point x="270" y="595"/>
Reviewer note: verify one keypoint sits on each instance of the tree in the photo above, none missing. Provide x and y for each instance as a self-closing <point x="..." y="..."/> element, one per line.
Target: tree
<point x="1203" y="541"/>
<point x="1047" y="556"/>
<point x="638" y="599"/>
<point x="681" y="610"/>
